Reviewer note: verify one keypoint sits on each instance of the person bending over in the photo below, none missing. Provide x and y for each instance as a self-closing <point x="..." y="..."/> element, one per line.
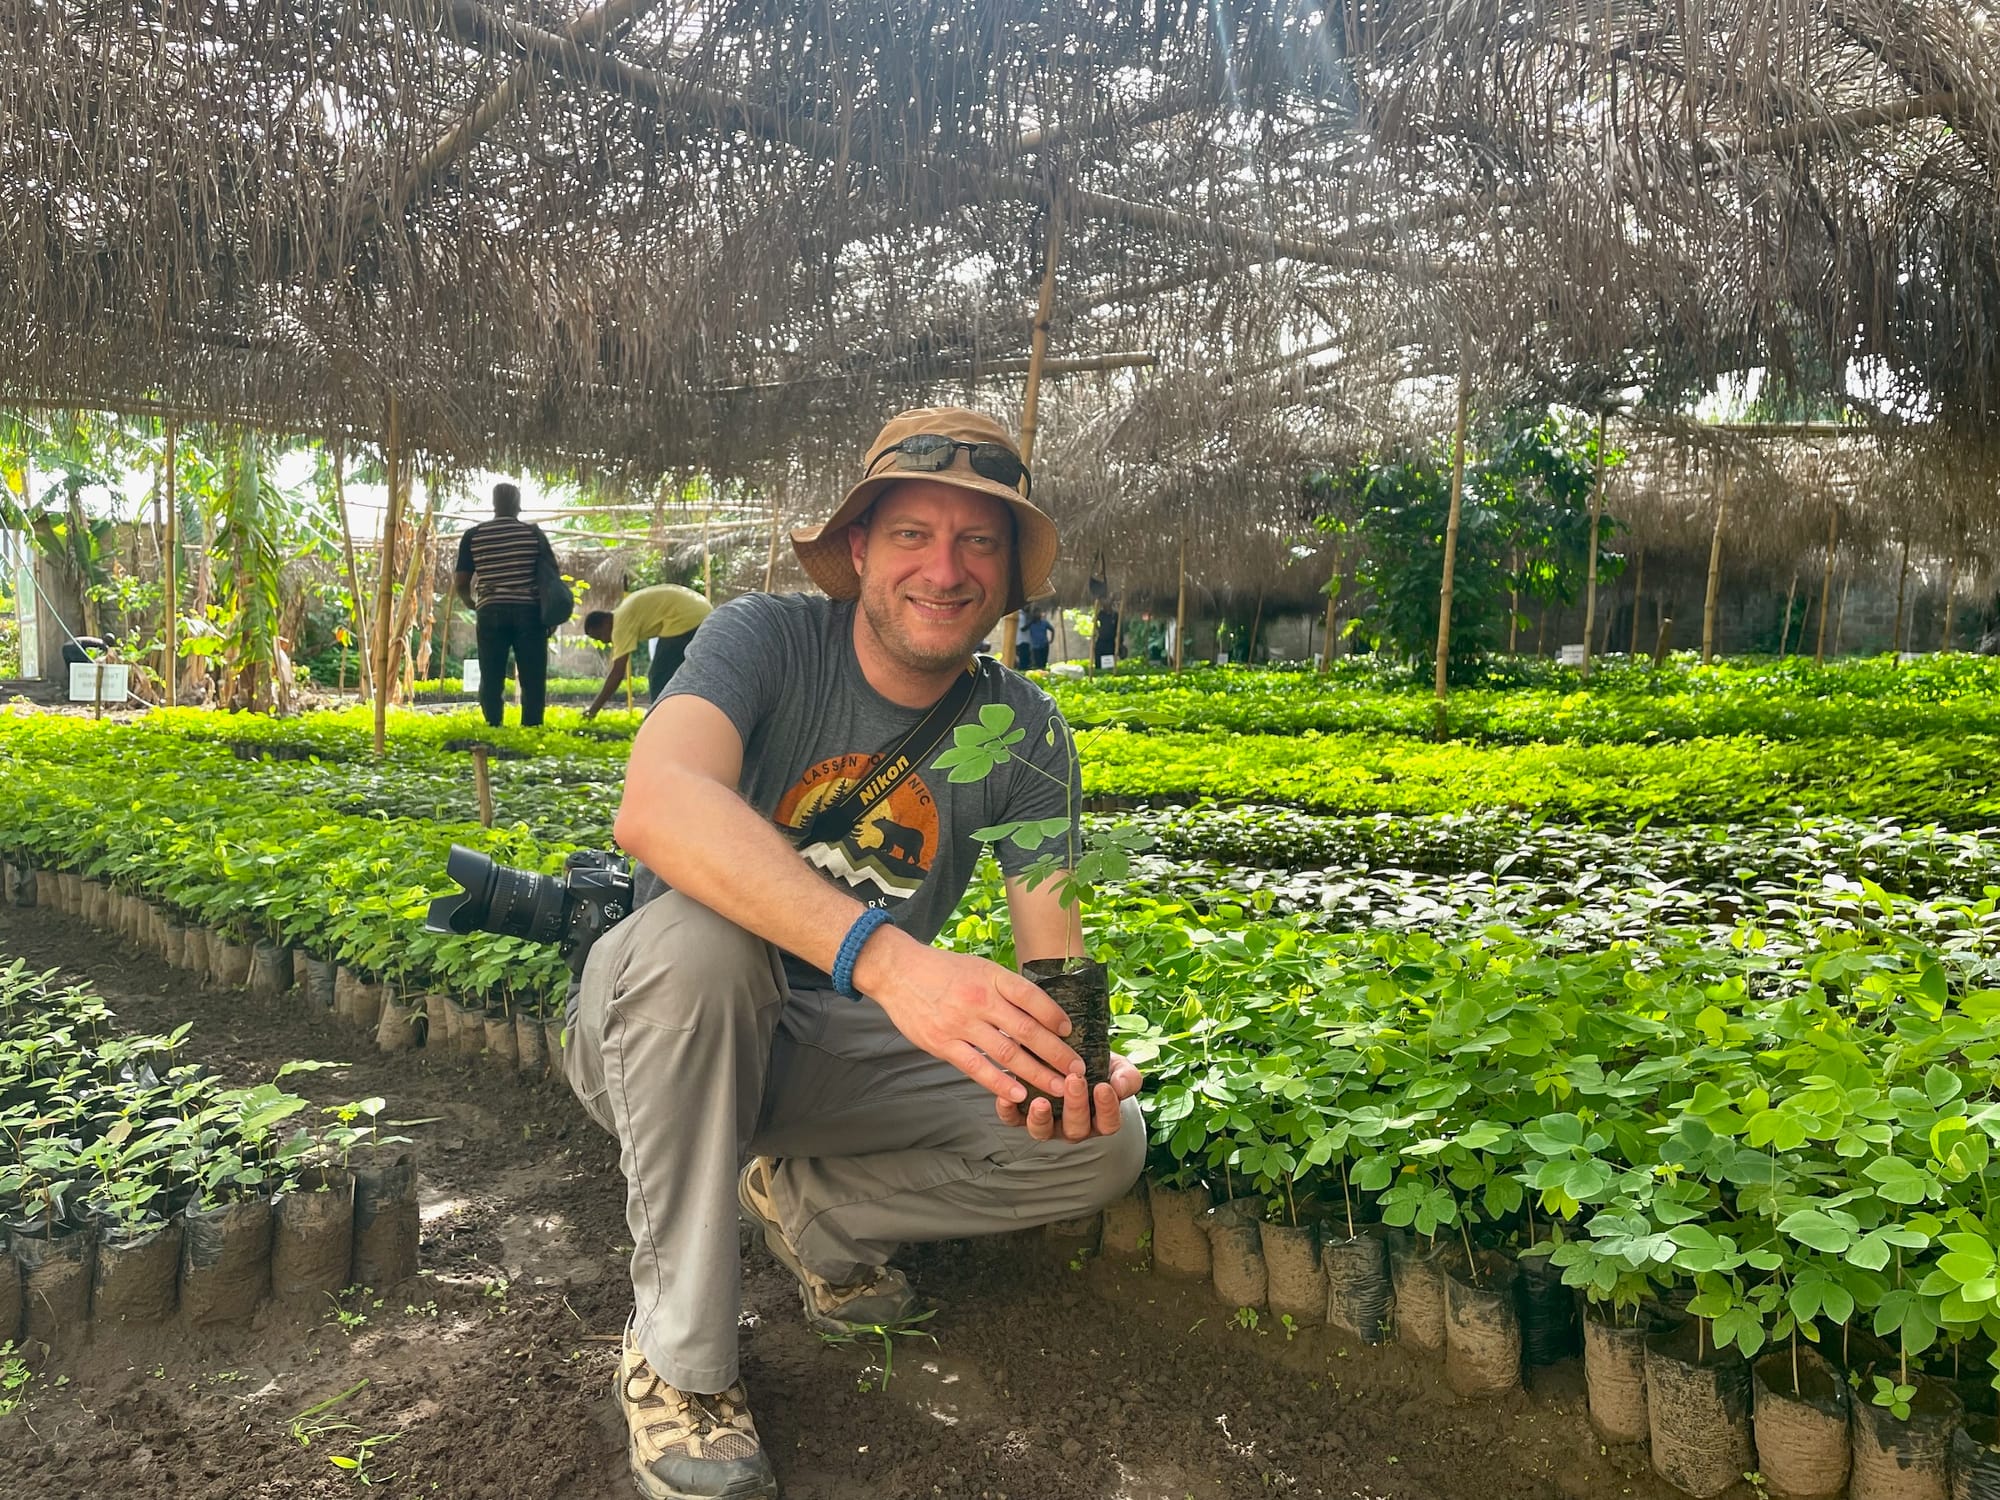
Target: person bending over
<point x="774" y="1030"/>
<point x="666" y="615"/>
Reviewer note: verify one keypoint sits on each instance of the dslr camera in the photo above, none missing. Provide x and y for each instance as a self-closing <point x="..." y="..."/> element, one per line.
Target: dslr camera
<point x="574" y="909"/>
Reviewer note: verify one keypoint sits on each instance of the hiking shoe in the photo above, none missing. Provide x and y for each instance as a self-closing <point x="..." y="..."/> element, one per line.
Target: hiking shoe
<point x="882" y="1300"/>
<point x="685" y="1446"/>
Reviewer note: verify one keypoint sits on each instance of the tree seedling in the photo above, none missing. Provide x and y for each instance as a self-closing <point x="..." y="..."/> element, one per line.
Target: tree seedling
<point x="888" y="1333"/>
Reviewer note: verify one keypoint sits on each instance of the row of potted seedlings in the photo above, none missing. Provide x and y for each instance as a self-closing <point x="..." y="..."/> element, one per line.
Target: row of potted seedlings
<point x="506" y="1033"/>
<point x="1830" y="1414"/>
<point x="135" y="1186"/>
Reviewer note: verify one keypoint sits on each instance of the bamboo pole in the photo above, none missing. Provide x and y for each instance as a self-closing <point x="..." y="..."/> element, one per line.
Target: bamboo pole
<point x="1180" y="610"/>
<point x="1451" y="546"/>
<point x="172" y="561"/>
<point x="1256" y="621"/>
<point x="1950" y="598"/>
<point x="357" y="610"/>
<point x="1785" y="621"/>
<point x="1031" y="397"/>
<point x="385" y="583"/>
<point x="1590" y="566"/>
<point x="482" y="785"/>
<point x="1826" y="583"/>
<point x="1638" y="593"/>
<point x="1902" y="592"/>
<point x="1336" y="581"/>
<point x="416" y="574"/>
<point x="1714" y="574"/>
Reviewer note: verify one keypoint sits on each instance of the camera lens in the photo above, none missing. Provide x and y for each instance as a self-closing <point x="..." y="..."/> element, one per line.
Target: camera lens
<point x="513" y="903"/>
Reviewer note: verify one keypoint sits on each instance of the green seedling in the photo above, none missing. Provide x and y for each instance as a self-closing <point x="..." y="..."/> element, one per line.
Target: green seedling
<point x="887" y="1333"/>
<point x="14" y="1379"/>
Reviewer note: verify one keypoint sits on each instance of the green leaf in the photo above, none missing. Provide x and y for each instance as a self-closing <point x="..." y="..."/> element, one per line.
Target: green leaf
<point x="1897" y="1181"/>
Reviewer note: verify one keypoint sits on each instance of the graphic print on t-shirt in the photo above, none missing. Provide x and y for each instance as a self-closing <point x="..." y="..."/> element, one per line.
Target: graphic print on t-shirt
<point x="894" y="839"/>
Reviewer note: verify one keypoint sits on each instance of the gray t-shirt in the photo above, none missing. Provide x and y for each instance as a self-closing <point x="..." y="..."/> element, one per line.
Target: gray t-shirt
<point x="782" y="667"/>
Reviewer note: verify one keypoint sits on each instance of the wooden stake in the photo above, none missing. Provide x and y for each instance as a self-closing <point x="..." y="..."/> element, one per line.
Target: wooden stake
<point x="1785" y="620"/>
<point x="1826" y="583"/>
<point x="1514" y="602"/>
<point x="1638" y="593"/>
<point x="385" y="583"/>
<point x="1840" y="614"/>
<point x="1335" y="582"/>
<point x="1256" y="620"/>
<point x="1451" y="546"/>
<point x="1663" y="641"/>
<point x="1031" y="397"/>
<point x="1180" y="612"/>
<point x="1590" y="566"/>
<point x="1902" y="589"/>
<point x="482" y="783"/>
<point x="1714" y="574"/>
<point x="172" y="560"/>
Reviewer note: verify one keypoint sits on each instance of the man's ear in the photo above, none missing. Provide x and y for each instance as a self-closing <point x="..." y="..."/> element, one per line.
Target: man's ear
<point x="857" y="542"/>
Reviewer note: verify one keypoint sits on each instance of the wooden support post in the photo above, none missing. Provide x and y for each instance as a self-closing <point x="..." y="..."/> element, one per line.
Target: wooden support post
<point x="97" y="690"/>
<point x="357" y="606"/>
<point x="1902" y="592"/>
<point x="482" y="783"/>
<point x="1714" y="573"/>
<point x="1826" y="583"/>
<point x="1031" y="397"/>
<point x="1180" y="611"/>
<point x="1638" y="593"/>
<point x="1785" y="620"/>
<point x="1513" y="601"/>
<point x="385" y="583"/>
<point x="1590" y="565"/>
<point x="1663" y="642"/>
<point x="1840" y="614"/>
<point x="1256" y="622"/>
<point x="1336" y="581"/>
<point x="171" y="558"/>
<point x="1950" y="598"/>
<point x="1451" y="547"/>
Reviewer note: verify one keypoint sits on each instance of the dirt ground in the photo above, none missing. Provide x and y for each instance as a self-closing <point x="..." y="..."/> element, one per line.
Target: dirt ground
<point x="490" y="1376"/>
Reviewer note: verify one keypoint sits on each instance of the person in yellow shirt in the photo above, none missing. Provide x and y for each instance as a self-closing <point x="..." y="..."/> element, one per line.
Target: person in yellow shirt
<point x="666" y="615"/>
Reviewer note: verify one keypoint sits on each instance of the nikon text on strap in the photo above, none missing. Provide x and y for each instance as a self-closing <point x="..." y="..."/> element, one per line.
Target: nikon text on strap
<point x="837" y="819"/>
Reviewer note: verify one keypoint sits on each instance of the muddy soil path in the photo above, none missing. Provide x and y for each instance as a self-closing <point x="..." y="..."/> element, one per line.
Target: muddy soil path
<point x="490" y="1375"/>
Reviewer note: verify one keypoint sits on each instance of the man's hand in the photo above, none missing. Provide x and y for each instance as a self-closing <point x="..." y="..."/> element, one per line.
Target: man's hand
<point x="988" y="1022"/>
<point x="1082" y="1116"/>
<point x="590" y="712"/>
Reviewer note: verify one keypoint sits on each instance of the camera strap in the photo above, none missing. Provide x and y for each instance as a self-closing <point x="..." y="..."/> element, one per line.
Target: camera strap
<point x="837" y="819"/>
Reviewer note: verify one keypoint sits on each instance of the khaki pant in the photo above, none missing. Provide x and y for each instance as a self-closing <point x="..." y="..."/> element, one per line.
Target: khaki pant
<point x="687" y="1045"/>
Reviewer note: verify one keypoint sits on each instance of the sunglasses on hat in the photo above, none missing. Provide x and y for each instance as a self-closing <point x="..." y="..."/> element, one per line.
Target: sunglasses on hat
<point x="933" y="452"/>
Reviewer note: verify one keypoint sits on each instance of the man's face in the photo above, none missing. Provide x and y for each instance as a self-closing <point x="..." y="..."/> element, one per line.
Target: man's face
<point x="935" y="562"/>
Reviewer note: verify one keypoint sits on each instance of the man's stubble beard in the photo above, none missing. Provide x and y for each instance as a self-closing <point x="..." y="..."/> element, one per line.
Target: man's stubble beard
<point x="880" y="610"/>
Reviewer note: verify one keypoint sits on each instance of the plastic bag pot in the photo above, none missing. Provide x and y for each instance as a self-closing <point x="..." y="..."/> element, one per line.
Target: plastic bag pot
<point x="300" y="970"/>
<point x="1975" y="1466"/>
<point x="440" y="1024"/>
<point x="312" y="1236"/>
<point x="194" y="950"/>
<point x="228" y="963"/>
<point x="55" y="1282"/>
<point x="68" y="889"/>
<point x="1416" y="1275"/>
<point x="1614" y="1378"/>
<point x="10" y="1294"/>
<point x="470" y="1030"/>
<point x="1482" y="1325"/>
<point x="321" y="975"/>
<point x="552" y="1043"/>
<point x="270" y="970"/>
<point x="1358" y="1290"/>
<point x="21" y="884"/>
<point x="1083" y="990"/>
<point x="1551" y="1317"/>
<point x="346" y="983"/>
<point x="137" y="1276"/>
<point x="1904" y="1459"/>
<point x="1698" y="1410"/>
<point x="386" y="1228"/>
<point x="1295" y="1286"/>
<point x="368" y="1002"/>
<point x="225" y="1261"/>
<point x="1799" y="1411"/>
<point x="396" y="1027"/>
<point x="1128" y="1223"/>
<point x="173" y="943"/>
<point x="529" y="1054"/>
<point x="500" y="1050"/>
<point x="1180" y="1240"/>
<point x="1236" y="1250"/>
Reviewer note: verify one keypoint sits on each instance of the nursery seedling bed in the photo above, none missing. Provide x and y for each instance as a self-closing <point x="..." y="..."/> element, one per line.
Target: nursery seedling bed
<point x="1048" y="1380"/>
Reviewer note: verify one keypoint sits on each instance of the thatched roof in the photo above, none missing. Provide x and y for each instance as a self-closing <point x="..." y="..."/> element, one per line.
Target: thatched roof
<point x="624" y="237"/>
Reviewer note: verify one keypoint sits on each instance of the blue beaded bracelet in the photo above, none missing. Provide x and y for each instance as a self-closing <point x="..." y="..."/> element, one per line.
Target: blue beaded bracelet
<point x="850" y="949"/>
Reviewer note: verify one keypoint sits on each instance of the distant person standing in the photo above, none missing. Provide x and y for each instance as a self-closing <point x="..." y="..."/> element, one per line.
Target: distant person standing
<point x="1040" y="633"/>
<point x="502" y="555"/>
<point x="666" y="615"/>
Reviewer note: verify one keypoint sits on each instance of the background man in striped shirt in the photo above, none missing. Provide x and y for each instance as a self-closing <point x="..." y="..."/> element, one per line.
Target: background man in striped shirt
<point x="498" y="559"/>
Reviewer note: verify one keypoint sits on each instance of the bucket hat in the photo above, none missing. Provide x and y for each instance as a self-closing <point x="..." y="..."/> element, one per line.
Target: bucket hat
<point x="823" y="550"/>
